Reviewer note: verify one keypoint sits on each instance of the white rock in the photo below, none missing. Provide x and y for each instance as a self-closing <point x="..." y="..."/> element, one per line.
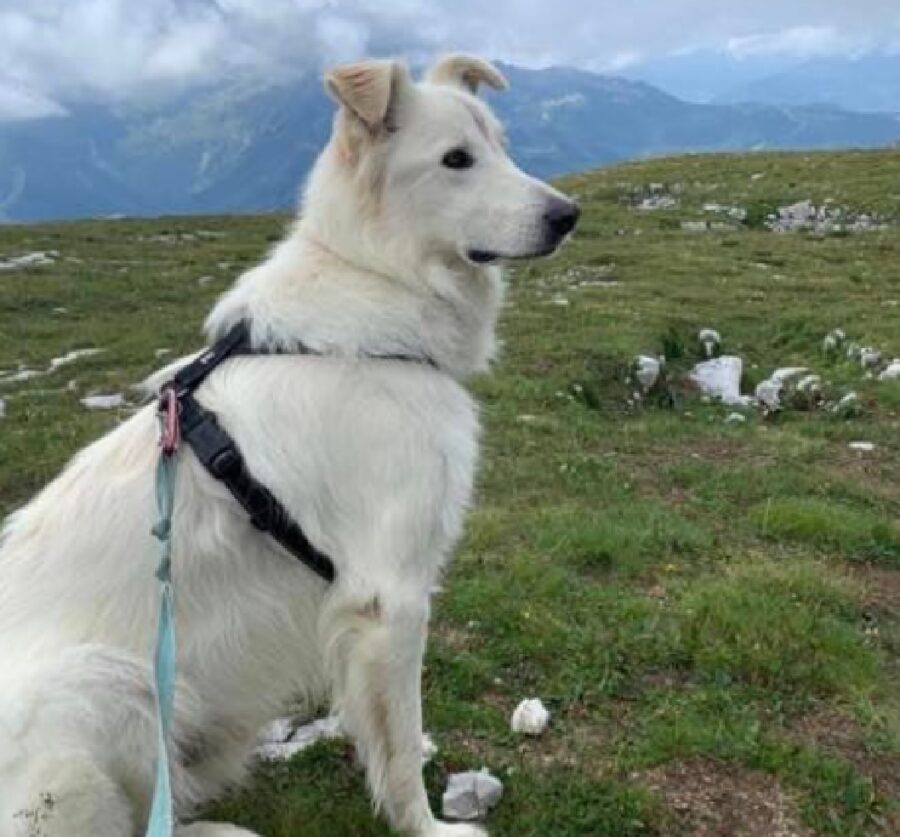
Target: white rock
<point x="786" y="373"/>
<point x="869" y="357"/>
<point x="104" y="402"/>
<point x="28" y="260"/>
<point x="647" y="370"/>
<point x="429" y="748"/>
<point x="866" y="447"/>
<point x="891" y="372"/>
<point x="833" y="341"/>
<point x="721" y="378"/>
<point x="847" y="406"/>
<point x="318" y="730"/>
<point x="802" y="209"/>
<point x="735" y="418"/>
<point x="21" y="375"/>
<point x="656" y="202"/>
<point x="299" y="740"/>
<point x="530" y="717"/>
<point x="469" y="796"/>
<point x="279" y="752"/>
<point x="71" y="357"/>
<point x="694" y="226"/>
<point x="809" y="384"/>
<point x="710" y="340"/>
<point x="768" y="393"/>
<point x="2" y="408"/>
<point x="55" y="363"/>
<point x="277" y="731"/>
<point x="162" y="353"/>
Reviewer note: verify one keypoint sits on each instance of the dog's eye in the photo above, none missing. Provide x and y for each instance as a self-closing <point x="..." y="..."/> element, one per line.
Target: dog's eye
<point x="458" y="158"/>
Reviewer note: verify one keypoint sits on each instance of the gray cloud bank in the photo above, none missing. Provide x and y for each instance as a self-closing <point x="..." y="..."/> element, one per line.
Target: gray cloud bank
<point x="55" y="50"/>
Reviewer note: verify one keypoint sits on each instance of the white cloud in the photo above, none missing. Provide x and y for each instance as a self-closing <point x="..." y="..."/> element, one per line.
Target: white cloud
<point x="798" y="41"/>
<point x="18" y="103"/>
<point x="342" y="39"/>
<point x="185" y="52"/>
<point x="621" y="60"/>
<point x="55" y="50"/>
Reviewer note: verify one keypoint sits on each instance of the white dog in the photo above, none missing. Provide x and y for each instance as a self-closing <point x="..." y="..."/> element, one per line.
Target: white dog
<point x="405" y="214"/>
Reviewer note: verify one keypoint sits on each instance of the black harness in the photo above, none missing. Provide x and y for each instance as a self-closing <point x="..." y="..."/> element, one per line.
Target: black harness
<point x="220" y="456"/>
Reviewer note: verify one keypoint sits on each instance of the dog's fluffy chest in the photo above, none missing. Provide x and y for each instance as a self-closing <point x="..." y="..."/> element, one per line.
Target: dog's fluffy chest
<point x="355" y="443"/>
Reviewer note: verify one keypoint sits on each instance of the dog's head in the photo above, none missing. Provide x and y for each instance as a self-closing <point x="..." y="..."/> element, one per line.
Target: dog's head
<point x="425" y="164"/>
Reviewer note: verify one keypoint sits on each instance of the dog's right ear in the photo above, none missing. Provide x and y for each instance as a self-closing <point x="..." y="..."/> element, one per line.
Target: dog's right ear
<point x="369" y="90"/>
<point x="466" y="71"/>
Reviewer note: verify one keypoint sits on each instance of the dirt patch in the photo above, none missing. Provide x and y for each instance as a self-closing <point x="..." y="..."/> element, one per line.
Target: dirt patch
<point x="839" y="735"/>
<point x="673" y="679"/>
<point x="711" y="799"/>
<point x="572" y="742"/>
<point x="454" y="637"/>
<point x="879" y="475"/>
<point x="881" y="590"/>
<point x="645" y="466"/>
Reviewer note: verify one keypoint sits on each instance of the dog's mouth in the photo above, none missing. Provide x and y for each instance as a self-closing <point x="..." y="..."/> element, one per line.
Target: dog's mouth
<point x="482" y="256"/>
<point x="486" y="257"/>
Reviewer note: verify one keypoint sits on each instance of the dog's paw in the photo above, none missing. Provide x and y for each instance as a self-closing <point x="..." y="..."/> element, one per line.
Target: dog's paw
<point x="457" y="829"/>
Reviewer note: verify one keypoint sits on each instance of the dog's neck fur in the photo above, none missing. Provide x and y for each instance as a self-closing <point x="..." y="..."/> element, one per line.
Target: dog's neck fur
<point x="339" y="285"/>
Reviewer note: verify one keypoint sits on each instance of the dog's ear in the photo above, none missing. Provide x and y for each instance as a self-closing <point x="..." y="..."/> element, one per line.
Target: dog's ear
<point x="368" y="90"/>
<point x="466" y="71"/>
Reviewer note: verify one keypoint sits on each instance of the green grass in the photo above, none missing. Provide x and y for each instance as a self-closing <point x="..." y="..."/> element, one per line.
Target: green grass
<point x="674" y="587"/>
<point x="829" y="525"/>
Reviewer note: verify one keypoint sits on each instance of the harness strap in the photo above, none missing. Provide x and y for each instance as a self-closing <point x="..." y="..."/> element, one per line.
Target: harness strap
<point x="219" y="455"/>
<point x="195" y="373"/>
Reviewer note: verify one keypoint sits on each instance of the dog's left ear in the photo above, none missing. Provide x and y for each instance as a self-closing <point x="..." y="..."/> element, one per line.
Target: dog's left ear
<point x="369" y="90"/>
<point x="466" y="71"/>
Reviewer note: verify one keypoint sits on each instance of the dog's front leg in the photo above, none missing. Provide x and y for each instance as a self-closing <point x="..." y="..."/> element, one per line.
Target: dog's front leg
<point x="377" y="648"/>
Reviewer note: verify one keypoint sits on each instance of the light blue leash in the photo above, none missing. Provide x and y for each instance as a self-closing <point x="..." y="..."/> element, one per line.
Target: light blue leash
<point x="162" y="816"/>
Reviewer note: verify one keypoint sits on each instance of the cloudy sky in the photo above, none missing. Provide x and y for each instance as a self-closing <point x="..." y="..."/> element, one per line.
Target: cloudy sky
<point x="54" y="50"/>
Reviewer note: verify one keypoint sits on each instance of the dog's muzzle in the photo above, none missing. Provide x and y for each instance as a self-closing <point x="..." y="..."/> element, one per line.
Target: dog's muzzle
<point x="558" y="219"/>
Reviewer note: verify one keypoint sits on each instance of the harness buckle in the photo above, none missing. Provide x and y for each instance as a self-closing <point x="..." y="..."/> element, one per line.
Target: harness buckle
<point x="224" y="462"/>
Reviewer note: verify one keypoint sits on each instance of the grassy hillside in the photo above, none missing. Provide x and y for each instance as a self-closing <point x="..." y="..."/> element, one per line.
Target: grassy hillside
<point x="711" y="610"/>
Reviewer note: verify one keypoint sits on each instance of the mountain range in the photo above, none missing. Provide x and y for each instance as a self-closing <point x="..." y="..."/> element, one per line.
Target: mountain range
<point x="245" y="146"/>
<point x="868" y="82"/>
<point x="858" y="83"/>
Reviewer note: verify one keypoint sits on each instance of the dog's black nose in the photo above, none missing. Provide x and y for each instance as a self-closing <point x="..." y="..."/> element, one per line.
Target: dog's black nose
<point x="562" y="216"/>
